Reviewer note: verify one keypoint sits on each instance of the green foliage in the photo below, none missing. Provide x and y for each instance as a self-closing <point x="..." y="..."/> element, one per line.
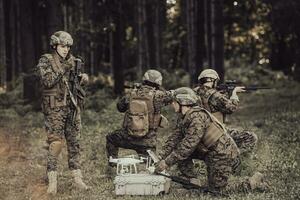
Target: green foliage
<point x="254" y="74"/>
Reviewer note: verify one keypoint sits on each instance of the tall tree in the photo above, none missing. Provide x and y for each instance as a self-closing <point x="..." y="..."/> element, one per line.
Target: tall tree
<point x="2" y="46"/>
<point x="208" y="37"/>
<point x="195" y="37"/>
<point x="217" y="33"/>
<point x="143" y="45"/>
<point x="117" y="36"/>
<point x="28" y="49"/>
<point x="160" y="13"/>
<point x="54" y="16"/>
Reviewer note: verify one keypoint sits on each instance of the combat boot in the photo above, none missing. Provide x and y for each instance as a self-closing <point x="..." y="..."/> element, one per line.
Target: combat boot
<point x="257" y="182"/>
<point x="52" y="186"/>
<point x="78" y="180"/>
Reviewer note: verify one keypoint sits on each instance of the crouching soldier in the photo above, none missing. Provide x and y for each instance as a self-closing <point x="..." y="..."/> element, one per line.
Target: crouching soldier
<point x="61" y="105"/>
<point x="142" y="107"/>
<point x="220" y="104"/>
<point x="201" y="136"/>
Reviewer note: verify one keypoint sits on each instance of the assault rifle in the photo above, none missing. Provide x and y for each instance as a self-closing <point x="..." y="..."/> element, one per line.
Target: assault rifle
<point x="77" y="93"/>
<point x="184" y="182"/>
<point x="229" y="86"/>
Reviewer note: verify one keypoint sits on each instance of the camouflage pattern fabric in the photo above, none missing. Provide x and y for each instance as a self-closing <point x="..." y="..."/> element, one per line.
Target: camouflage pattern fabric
<point x="245" y="140"/>
<point x="218" y="102"/>
<point x="221" y="159"/>
<point x="58" y="118"/>
<point x="120" y="138"/>
<point x="161" y="99"/>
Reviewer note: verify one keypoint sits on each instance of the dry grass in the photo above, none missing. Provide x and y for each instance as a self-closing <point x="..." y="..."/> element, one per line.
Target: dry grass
<point x="274" y="116"/>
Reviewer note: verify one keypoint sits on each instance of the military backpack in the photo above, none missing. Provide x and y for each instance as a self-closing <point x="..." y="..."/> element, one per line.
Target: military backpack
<point x="140" y="116"/>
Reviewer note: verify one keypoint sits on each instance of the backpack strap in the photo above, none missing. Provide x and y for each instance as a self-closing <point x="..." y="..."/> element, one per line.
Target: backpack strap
<point x="55" y="63"/>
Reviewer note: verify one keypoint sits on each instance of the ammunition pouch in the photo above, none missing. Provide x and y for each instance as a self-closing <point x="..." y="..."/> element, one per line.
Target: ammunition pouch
<point x="212" y="134"/>
<point x="219" y="116"/>
<point x="54" y="101"/>
<point x="164" y="122"/>
<point x="214" y="131"/>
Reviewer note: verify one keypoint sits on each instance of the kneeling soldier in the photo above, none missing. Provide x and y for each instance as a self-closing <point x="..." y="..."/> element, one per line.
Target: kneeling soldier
<point x="142" y="107"/>
<point x="220" y="105"/>
<point x="201" y="136"/>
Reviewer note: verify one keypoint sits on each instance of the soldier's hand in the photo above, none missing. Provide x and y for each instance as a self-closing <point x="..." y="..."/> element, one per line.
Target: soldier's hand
<point x="239" y="89"/>
<point x="84" y="78"/>
<point x="161" y="166"/>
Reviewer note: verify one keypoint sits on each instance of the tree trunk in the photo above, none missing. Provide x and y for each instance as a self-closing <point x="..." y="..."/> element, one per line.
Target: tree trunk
<point x="217" y="32"/>
<point x="200" y="37"/>
<point x="208" y="27"/>
<point x="143" y="47"/>
<point x="28" y="50"/>
<point x="116" y="49"/>
<point x="54" y="16"/>
<point x="2" y="47"/>
<point x="195" y="33"/>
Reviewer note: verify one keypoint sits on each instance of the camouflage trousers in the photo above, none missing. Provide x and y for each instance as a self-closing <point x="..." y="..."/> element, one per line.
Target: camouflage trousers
<point x="221" y="162"/>
<point x="120" y="139"/>
<point x="245" y="140"/>
<point x="59" y="126"/>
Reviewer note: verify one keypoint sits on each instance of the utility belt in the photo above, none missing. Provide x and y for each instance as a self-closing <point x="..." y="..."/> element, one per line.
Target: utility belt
<point x="54" y="100"/>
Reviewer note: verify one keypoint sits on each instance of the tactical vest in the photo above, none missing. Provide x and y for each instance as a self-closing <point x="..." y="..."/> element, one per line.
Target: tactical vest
<point x="214" y="131"/>
<point x="205" y="96"/>
<point x="58" y="90"/>
<point x="138" y="98"/>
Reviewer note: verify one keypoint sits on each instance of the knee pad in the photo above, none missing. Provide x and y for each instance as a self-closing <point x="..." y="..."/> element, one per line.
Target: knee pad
<point x="55" y="148"/>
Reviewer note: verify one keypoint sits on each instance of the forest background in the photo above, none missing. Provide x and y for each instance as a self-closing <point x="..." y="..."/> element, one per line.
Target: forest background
<point x="254" y="41"/>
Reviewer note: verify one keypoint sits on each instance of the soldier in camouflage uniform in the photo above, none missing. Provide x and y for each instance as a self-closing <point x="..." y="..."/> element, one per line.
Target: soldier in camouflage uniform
<point x="57" y="101"/>
<point x="152" y="81"/>
<point x="220" y="104"/>
<point x="201" y="136"/>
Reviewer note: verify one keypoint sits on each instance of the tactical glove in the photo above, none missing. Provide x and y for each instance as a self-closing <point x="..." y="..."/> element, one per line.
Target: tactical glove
<point x="161" y="166"/>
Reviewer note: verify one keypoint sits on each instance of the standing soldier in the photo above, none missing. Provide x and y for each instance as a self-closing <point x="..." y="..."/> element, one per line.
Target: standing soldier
<point x="201" y="136"/>
<point x="142" y="107"/>
<point x="61" y="102"/>
<point x="220" y="105"/>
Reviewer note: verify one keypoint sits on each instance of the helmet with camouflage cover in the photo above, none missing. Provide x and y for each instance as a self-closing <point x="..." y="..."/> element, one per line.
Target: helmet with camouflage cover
<point x="62" y="38"/>
<point x="185" y="96"/>
<point x="208" y="73"/>
<point x="153" y="76"/>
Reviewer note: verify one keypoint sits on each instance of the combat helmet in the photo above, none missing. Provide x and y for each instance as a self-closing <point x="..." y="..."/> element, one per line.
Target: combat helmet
<point x="62" y="38"/>
<point x="153" y="76"/>
<point x="208" y="73"/>
<point x="185" y="96"/>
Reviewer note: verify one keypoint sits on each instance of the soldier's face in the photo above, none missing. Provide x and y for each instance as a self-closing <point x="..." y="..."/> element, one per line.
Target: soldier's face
<point x="63" y="50"/>
<point x="176" y="106"/>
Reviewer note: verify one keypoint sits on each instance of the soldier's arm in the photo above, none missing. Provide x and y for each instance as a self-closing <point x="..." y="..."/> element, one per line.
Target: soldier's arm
<point x="171" y="142"/>
<point x="222" y="103"/>
<point x="47" y="76"/>
<point x="191" y="140"/>
<point x="163" y="98"/>
<point x="123" y="103"/>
